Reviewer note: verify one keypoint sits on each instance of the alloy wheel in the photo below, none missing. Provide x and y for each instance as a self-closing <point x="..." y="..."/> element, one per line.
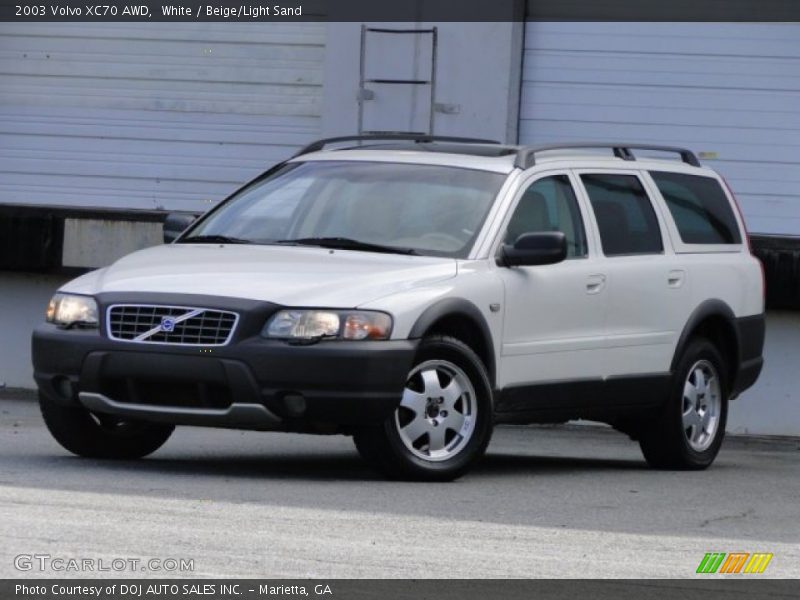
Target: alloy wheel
<point x="436" y="416"/>
<point x="702" y="405"/>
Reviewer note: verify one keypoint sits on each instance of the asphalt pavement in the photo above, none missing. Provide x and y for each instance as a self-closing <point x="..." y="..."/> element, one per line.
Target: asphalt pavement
<point x="545" y="502"/>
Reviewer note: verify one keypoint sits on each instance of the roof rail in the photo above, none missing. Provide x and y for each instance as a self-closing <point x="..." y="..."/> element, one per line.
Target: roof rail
<point x="526" y="156"/>
<point x="419" y="138"/>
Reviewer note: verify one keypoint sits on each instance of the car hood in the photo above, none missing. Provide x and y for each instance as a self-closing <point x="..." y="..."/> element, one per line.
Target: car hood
<point x="291" y="275"/>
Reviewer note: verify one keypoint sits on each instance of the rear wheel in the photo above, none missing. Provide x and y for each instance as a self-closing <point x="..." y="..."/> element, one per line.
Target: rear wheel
<point x="689" y="433"/>
<point x="101" y="436"/>
<point x="444" y="420"/>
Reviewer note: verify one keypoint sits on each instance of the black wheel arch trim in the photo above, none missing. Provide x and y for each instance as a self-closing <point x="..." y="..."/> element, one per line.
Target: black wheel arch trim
<point x="707" y="309"/>
<point x="458" y="307"/>
<point x="748" y="337"/>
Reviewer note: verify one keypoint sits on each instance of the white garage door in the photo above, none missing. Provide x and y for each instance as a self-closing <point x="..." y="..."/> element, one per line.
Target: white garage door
<point x="156" y="115"/>
<point x="730" y="91"/>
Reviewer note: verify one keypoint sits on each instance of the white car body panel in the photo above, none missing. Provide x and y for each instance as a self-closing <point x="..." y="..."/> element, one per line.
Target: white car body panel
<point x="475" y="283"/>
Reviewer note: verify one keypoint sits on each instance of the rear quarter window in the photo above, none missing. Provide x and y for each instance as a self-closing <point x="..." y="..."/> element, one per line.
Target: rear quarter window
<point x="699" y="207"/>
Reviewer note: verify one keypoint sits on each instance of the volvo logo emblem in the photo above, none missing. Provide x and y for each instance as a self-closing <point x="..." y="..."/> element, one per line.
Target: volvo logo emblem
<point x="167" y="324"/>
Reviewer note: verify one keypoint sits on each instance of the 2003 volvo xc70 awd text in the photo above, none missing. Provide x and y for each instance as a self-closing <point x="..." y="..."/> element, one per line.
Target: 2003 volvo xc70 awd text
<point x="415" y="291"/>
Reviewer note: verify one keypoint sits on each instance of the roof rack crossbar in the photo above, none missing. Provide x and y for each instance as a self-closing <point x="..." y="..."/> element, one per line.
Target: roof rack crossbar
<point x="419" y="138"/>
<point x="526" y="156"/>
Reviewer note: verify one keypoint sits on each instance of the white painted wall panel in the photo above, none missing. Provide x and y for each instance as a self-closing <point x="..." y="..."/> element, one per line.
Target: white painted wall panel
<point x="728" y="88"/>
<point x="477" y="74"/>
<point x="167" y="115"/>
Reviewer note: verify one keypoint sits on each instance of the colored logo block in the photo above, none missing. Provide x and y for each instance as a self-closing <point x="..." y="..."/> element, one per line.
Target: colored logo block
<point x="734" y="563"/>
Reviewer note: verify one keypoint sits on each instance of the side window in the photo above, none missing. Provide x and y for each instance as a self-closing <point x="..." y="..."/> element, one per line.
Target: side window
<point x="700" y="208"/>
<point x="549" y="204"/>
<point x="625" y="216"/>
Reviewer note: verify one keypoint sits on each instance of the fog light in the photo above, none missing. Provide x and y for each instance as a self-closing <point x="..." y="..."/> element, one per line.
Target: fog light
<point x="64" y="387"/>
<point x="295" y="404"/>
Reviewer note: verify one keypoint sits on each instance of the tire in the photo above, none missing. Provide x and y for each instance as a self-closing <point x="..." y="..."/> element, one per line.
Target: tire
<point x="438" y="431"/>
<point x="689" y="432"/>
<point x="101" y="436"/>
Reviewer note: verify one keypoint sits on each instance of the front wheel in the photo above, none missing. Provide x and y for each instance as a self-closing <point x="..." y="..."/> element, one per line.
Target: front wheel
<point x="444" y="421"/>
<point x="101" y="436"/>
<point x="689" y="433"/>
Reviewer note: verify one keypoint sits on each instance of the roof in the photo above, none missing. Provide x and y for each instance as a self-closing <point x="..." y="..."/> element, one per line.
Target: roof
<point x="444" y="147"/>
<point x="492" y="156"/>
<point x="497" y="164"/>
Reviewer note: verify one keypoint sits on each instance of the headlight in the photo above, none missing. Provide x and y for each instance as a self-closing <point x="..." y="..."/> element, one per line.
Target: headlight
<point x="317" y="324"/>
<point x="66" y="310"/>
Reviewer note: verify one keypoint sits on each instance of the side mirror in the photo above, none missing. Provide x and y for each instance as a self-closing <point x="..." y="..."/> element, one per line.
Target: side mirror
<point x="175" y="224"/>
<point x="538" y="248"/>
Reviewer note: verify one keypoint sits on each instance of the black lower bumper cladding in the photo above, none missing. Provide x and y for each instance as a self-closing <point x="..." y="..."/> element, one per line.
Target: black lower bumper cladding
<point x="252" y="383"/>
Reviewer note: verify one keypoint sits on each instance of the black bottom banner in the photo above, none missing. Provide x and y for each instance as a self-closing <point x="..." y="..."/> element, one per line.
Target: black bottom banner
<point x="252" y="589"/>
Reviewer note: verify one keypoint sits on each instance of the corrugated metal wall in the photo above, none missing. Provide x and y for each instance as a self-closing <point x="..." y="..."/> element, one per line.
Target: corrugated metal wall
<point x="729" y="89"/>
<point x="156" y="115"/>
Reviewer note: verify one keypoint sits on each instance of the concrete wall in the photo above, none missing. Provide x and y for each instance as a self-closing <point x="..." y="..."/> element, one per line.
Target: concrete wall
<point x="95" y="243"/>
<point x="772" y="405"/>
<point x="23" y="300"/>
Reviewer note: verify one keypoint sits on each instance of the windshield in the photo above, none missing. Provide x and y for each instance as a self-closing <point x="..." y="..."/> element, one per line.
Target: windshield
<point x="380" y="207"/>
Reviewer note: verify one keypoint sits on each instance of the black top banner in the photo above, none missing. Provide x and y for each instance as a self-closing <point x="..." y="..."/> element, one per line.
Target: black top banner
<point x="399" y="10"/>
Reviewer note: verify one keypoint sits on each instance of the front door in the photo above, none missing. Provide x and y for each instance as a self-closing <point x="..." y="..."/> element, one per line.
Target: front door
<point x="553" y="329"/>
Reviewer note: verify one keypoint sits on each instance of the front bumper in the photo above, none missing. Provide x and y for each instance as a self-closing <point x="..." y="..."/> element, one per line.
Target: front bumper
<point x="252" y="383"/>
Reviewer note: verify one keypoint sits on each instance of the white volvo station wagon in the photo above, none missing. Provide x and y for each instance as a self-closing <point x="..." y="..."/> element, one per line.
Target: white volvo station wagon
<point x="415" y="291"/>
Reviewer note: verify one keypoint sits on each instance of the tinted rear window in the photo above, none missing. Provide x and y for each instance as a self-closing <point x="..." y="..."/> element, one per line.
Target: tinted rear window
<point x="625" y="217"/>
<point x="699" y="207"/>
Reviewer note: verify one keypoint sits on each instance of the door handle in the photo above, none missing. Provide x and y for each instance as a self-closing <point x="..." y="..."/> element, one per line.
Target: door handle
<point x="595" y="283"/>
<point x="676" y="278"/>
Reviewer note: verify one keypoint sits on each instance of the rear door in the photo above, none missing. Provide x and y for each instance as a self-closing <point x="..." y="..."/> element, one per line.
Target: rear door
<point x="709" y="240"/>
<point x="648" y="286"/>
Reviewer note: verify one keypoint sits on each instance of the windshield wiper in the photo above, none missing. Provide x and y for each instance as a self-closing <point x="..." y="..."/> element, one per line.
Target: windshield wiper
<point x="213" y="239"/>
<point x="343" y="243"/>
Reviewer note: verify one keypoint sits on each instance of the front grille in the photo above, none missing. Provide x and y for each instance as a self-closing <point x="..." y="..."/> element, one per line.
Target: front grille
<point x="188" y="326"/>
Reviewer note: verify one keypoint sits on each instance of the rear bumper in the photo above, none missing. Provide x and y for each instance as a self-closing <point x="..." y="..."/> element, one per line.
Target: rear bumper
<point x="253" y="383"/>
<point x="750" y="335"/>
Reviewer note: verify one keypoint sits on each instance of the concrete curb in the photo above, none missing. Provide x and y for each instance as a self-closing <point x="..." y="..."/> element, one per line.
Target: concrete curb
<point x="17" y="394"/>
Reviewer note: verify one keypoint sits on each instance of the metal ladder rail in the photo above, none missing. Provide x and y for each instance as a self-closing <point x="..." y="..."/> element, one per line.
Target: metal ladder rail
<point x="365" y="94"/>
